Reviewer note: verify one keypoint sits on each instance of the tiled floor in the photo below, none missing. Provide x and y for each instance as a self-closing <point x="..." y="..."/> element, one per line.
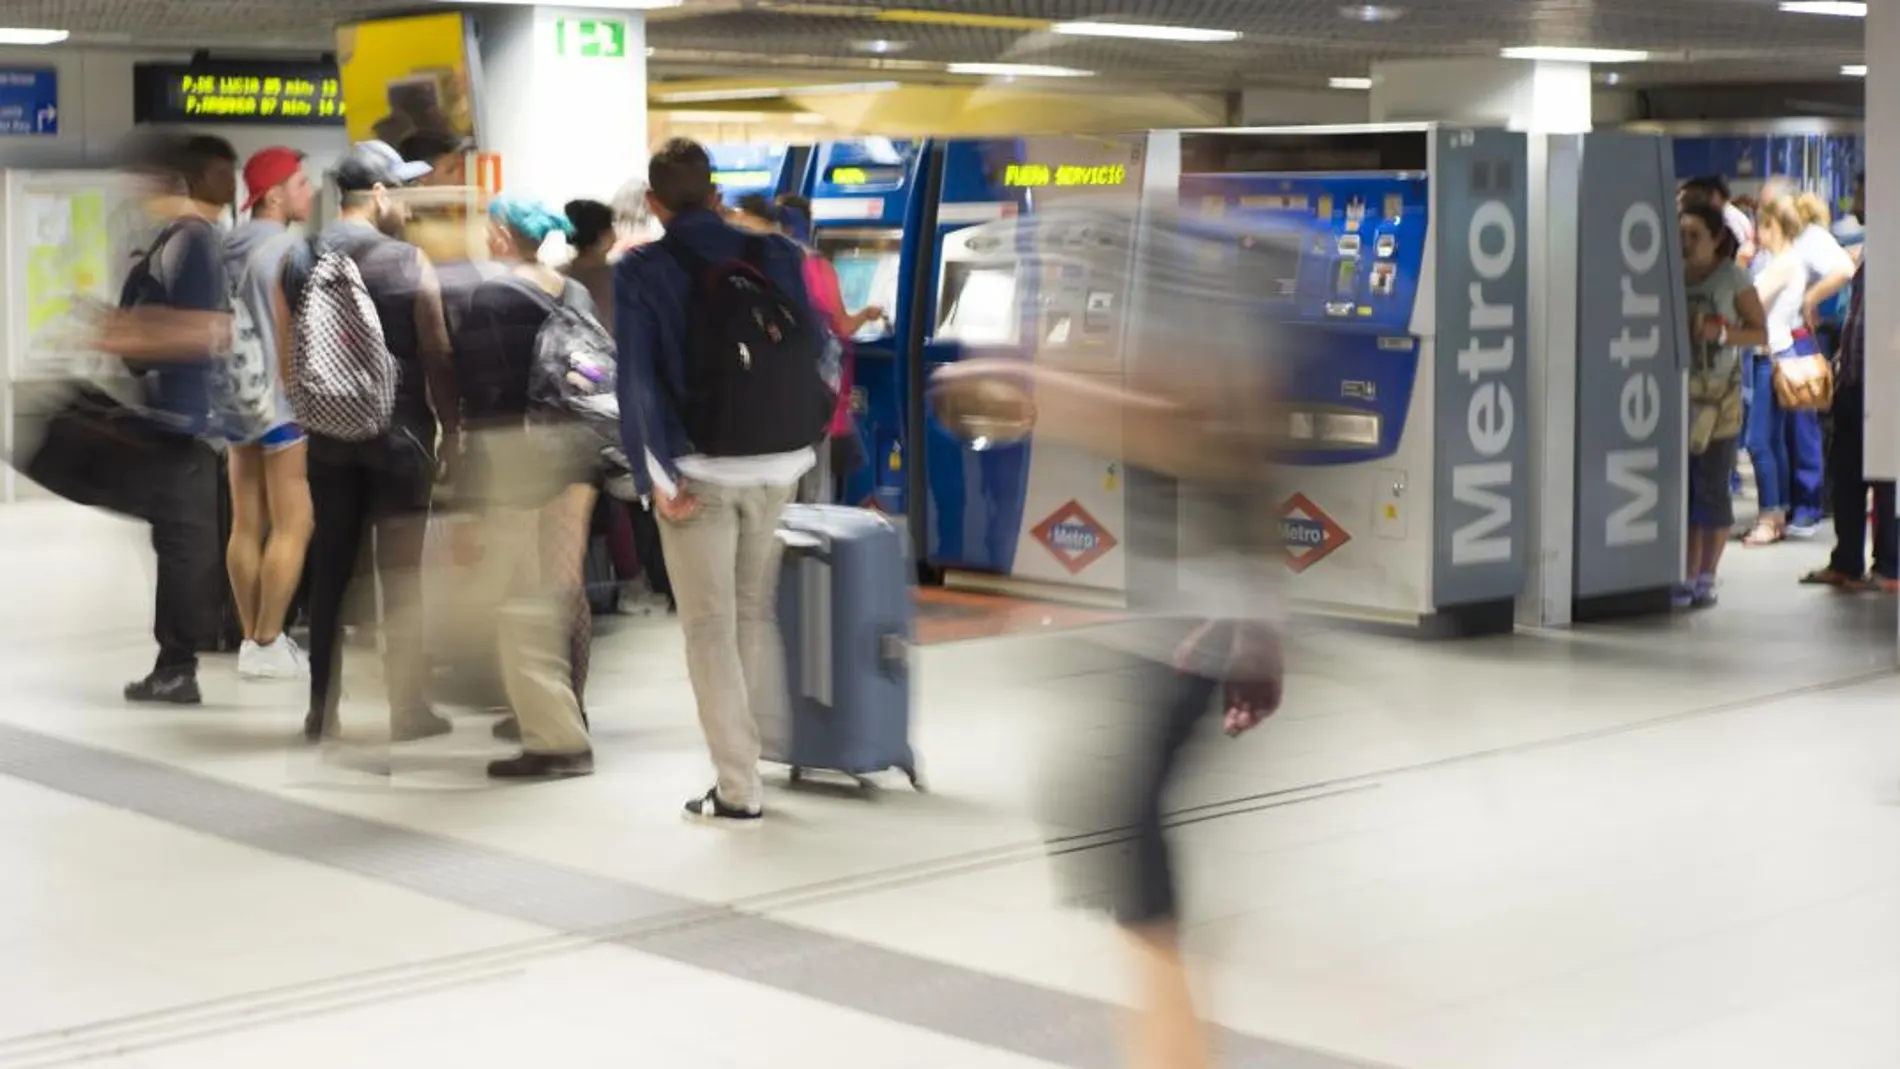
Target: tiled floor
<point x="1665" y="845"/>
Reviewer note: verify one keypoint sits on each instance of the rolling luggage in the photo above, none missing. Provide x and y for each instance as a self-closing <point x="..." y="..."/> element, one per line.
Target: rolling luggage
<point x="844" y="607"/>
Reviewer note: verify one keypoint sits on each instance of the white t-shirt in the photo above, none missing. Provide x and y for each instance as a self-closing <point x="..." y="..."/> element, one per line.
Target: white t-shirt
<point x="1739" y="225"/>
<point x="1784" y="285"/>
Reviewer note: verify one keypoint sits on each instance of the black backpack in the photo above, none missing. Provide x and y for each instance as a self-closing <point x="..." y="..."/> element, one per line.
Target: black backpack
<point x="753" y="383"/>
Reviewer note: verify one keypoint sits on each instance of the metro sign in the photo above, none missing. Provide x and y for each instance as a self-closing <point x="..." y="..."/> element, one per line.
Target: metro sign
<point x="1308" y="534"/>
<point x="1074" y="538"/>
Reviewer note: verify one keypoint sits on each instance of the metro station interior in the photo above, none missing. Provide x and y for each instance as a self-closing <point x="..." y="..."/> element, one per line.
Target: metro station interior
<point x="1520" y="807"/>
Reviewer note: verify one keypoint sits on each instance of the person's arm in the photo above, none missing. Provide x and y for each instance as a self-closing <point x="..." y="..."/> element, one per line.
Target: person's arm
<point x="1836" y="269"/>
<point x="636" y="336"/>
<point x="438" y="357"/>
<point x="196" y="323"/>
<point x="1778" y="275"/>
<point x="1753" y="329"/>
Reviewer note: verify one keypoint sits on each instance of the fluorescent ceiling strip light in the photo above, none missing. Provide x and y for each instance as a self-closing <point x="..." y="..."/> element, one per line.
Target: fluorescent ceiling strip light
<point x="10" y="35"/>
<point x="1141" y="32"/>
<point x="1017" y="70"/>
<point x="1350" y="83"/>
<point x="1555" y="54"/>
<point x="1855" y="70"/>
<point x="709" y="96"/>
<point x="594" y="5"/>
<point x="1838" y="8"/>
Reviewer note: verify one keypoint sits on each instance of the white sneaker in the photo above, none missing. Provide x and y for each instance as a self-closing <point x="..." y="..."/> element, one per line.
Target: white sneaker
<point x="281" y="659"/>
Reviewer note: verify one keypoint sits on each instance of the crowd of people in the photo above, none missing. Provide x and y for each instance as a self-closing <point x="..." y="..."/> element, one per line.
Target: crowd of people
<point x="401" y="425"/>
<point x="1777" y="317"/>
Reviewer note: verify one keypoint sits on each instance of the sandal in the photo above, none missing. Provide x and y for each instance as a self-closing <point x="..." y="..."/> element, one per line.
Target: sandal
<point x="1766" y="533"/>
<point x="1830" y="577"/>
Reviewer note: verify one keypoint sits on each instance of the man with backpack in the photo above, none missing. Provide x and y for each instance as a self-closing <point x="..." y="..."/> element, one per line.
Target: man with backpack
<point x="367" y="372"/>
<point x="722" y="400"/>
<point x="173" y="323"/>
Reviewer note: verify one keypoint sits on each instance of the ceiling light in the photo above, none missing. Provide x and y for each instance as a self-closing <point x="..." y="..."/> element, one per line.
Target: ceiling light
<point x="1350" y="83"/>
<point x="596" y="5"/>
<point x="1576" y="55"/>
<point x="709" y="96"/>
<point x="19" y="36"/>
<point x="1837" y="8"/>
<point x="1371" y="13"/>
<point x="1855" y="70"/>
<point x="1142" y="32"/>
<point x="1017" y="70"/>
<point x="880" y="47"/>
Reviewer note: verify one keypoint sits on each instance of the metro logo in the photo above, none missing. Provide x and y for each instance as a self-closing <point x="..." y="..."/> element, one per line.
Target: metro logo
<point x="1308" y="534"/>
<point x="1074" y="538"/>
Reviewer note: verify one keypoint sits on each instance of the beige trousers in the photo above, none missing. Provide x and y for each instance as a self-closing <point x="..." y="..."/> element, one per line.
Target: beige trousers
<point x="724" y="561"/>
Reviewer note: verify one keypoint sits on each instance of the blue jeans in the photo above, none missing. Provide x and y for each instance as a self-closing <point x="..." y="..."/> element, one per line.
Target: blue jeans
<point x="1767" y="436"/>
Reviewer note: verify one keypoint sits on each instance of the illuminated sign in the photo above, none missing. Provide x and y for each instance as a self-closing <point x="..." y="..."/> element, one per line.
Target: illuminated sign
<point x="744" y="179"/>
<point x="1038" y="176"/>
<point x="847" y="176"/>
<point x="248" y="92"/>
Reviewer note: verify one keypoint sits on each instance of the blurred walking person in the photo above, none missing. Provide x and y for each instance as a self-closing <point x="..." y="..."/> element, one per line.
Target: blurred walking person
<point x="270" y="489"/>
<point x="536" y="499"/>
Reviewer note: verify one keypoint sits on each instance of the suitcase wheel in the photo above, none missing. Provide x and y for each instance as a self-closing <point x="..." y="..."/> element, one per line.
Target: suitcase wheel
<point x="916" y="778"/>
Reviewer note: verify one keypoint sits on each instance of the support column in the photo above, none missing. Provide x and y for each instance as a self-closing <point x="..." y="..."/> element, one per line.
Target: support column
<point x="1537" y="98"/>
<point x="564" y="99"/>
<point x="1883" y="240"/>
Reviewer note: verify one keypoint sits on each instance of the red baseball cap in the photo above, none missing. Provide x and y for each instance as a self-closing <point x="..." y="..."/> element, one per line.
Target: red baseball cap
<point x="268" y="169"/>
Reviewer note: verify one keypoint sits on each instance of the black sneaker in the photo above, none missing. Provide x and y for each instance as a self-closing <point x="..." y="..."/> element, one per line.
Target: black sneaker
<point x="710" y="808"/>
<point x="543" y="766"/>
<point x="166" y="686"/>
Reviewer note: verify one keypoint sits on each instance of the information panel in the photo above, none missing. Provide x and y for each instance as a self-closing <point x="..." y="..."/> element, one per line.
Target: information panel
<point x="246" y="93"/>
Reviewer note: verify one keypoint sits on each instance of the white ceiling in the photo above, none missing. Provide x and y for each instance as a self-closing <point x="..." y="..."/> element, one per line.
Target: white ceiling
<point x="1285" y="42"/>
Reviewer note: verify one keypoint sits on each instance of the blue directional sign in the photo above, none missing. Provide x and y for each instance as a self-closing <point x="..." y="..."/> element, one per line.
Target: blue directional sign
<point x="29" y="101"/>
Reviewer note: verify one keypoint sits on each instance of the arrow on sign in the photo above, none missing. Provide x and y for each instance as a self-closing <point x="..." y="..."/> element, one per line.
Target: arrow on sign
<point x="48" y="118"/>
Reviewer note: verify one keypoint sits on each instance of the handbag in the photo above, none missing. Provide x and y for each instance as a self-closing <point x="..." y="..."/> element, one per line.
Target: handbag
<point x="100" y="453"/>
<point x="1804" y="378"/>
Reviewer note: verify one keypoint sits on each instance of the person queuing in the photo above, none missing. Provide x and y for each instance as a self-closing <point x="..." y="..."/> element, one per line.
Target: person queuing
<point x="378" y="484"/>
<point x="1725" y="315"/>
<point x="718" y="494"/>
<point x="1714" y="191"/>
<point x="1846" y="568"/>
<point x="1805" y="266"/>
<point x="536" y="510"/>
<point x="270" y="490"/>
<point x="174" y="318"/>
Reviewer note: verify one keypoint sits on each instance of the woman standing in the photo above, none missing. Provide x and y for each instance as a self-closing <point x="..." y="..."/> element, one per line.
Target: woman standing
<point x="1725" y="316"/>
<point x="1806" y="267"/>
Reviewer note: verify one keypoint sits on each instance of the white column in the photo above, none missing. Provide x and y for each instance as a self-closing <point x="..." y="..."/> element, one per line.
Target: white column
<point x="1883" y="239"/>
<point x="1537" y="98"/>
<point x="564" y="99"/>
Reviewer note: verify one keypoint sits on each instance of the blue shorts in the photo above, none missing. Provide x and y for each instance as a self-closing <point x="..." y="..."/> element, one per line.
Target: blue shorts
<point x="280" y="437"/>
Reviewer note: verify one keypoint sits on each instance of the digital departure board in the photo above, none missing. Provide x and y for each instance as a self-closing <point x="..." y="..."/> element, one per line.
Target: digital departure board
<point x="248" y="93"/>
<point x="1038" y="175"/>
<point x="744" y="179"/>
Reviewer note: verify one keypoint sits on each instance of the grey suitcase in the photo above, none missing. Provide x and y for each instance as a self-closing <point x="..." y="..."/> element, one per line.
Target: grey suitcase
<point x="844" y="607"/>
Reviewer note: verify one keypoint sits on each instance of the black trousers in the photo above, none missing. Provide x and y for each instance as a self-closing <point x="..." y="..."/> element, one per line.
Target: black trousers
<point x="1847" y="465"/>
<point x="191" y="579"/>
<point x="371" y="495"/>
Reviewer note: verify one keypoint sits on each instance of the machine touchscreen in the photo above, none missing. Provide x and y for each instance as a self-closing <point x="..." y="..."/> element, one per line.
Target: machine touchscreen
<point x="983" y="312"/>
<point x="867" y="275"/>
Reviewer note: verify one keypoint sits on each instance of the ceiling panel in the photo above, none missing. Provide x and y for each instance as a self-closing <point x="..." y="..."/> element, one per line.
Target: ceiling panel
<point x="1285" y="42"/>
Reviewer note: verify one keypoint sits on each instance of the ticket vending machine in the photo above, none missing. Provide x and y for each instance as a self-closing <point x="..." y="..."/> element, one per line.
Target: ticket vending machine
<point x="867" y="202"/>
<point x="767" y="170"/>
<point x="1030" y="245"/>
<point x="1405" y="472"/>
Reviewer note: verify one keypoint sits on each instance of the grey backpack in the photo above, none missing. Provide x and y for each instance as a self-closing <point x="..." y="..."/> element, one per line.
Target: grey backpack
<point x="342" y="381"/>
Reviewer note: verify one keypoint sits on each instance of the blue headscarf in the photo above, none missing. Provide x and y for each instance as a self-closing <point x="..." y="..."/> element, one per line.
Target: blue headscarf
<point x="529" y="218"/>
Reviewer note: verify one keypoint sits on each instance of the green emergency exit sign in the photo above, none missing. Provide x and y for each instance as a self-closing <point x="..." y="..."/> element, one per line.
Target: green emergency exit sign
<point x="591" y="38"/>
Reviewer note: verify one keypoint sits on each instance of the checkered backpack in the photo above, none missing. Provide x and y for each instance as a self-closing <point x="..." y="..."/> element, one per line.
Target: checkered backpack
<point x="342" y="380"/>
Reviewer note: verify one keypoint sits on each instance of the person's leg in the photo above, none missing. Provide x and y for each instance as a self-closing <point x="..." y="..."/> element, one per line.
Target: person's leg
<point x="534" y="641"/>
<point x="1807" y="472"/>
<point x="1886" y="535"/>
<point x="651" y="549"/>
<point x="287" y="489"/>
<point x="1715" y="512"/>
<point x="761" y="649"/>
<point x="399" y="542"/>
<point x="1768" y="450"/>
<point x="566" y="527"/>
<point x="1848" y="562"/>
<point x="190" y="579"/>
<point x="702" y="557"/>
<point x="336" y="541"/>
<point x="250" y="523"/>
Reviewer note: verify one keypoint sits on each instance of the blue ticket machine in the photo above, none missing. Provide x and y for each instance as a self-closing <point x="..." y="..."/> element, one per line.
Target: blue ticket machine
<point x="1403" y="417"/>
<point x="767" y="170"/>
<point x="1029" y="245"/>
<point x="867" y="200"/>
